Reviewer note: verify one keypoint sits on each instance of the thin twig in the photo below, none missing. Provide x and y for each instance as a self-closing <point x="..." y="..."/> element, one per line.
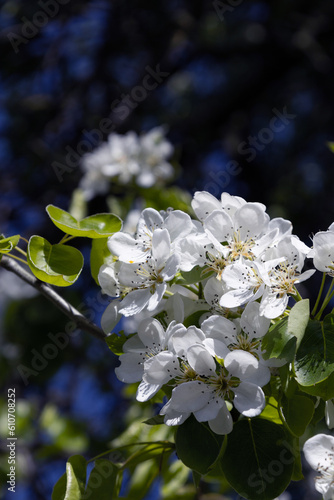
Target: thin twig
<point x="48" y="292"/>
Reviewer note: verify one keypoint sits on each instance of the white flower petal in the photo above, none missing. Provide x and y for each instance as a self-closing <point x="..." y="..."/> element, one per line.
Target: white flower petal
<point x="151" y="333"/>
<point x="146" y="391"/>
<point x="131" y="368"/>
<point x="222" y="423"/>
<point x="204" y="203"/>
<point x="171" y="267"/>
<point x="250" y="221"/>
<point x="210" y="410"/>
<point x="149" y="220"/>
<point x="236" y="298"/>
<point x="160" y="247"/>
<point x="329" y="413"/>
<point x="126" y="248"/>
<point x="157" y="296"/>
<point x="252" y="323"/>
<point x="249" y="399"/>
<point x="161" y="368"/>
<point x="178" y="224"/>
<point x="111" y="316"/>
<point x="318" y="451"/>
<point x="216" y="347"/>
<point x="245" y="366"/>
<point x="219" y="224"/>
<point x="201" y="360"/>
<point x="180" y="341"/>
<point x="190" y="396"/>
<point x="135" y="302"/>
<point x="108" y="280"/>
<point x="220" y="328"/>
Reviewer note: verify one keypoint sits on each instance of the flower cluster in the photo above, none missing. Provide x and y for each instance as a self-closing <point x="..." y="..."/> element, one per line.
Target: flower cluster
<point x="203" y="293"/>
<point x="128" y="157"/>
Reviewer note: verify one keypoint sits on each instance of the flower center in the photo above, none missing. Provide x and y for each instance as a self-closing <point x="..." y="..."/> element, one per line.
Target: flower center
<point x="283" y="278"/>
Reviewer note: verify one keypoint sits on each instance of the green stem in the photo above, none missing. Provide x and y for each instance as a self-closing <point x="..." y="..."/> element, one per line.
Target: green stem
<point x="314" y="310"/>
<point x="191" y="289"/>
<point x="298" y="297"/>
<point x="200" y="290"/>
<point x="17" y="258"/>
<point x="327" y="299"/>
<point x="21" y="251"/>
<point x="24" y="239"/>
<point x="164" y="444"/>
<point x="66" y="238"/>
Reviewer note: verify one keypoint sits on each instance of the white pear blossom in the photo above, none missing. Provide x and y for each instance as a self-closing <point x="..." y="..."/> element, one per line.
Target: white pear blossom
<point x="246" y="338"/>
<point x="247" y="281"/>
<point x="127" y="158"/>
<point x="137" y="248"/>
<point x="202" y="391"/>
<point x="319" y="453"/>
<point x="146" y="352"/>
<point x="143" y="284"/>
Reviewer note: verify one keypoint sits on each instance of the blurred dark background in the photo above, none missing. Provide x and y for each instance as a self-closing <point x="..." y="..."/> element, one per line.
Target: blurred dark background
<point x="246" y="91"/>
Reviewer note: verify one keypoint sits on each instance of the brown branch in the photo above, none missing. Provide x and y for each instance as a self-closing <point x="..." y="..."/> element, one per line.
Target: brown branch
<point x="48" y="292"/>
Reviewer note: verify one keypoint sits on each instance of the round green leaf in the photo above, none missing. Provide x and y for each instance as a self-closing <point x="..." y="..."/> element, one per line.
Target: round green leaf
<point x="298" y="412"/>
<point x="102" y="481"/>
<point x="314" y="361"/>
<point x="58" y="265"/>
<point x="94" y="226"/>
<point x="259" y="459"/>
<point x="196" y="445"/>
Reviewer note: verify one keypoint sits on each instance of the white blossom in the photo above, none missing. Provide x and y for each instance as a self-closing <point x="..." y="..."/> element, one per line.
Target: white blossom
<point x="319" y="453"/>
<point x="129" y="157"/>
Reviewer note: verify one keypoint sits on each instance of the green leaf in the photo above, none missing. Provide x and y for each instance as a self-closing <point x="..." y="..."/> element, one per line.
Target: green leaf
<point x="259" y="459"/>
<point x="191" y="277"/>
<point x="194" y="318"/>
<point x="98" y="254"/>
<point x="284" y="338"/>
<point x="94" y="226"/>
<point x="115" y="342"/>
<point x="271" y="412"/>
<point x="156" y="420"/>
<point x="278" y="342"/>
<point x="7" y="244"/>
<point x="102" y="481"/>
<point x="319" y="412"/>
<point x="58" y="265"/>
<point x="59" y="489"/>
<point x="196" y="445"/>
<point x="324" y="389"/>
<point x="314" y="364"/>
<point x="298" y="319"/>
<point x="298" y="412"/>
<point x="71" y="486"/>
